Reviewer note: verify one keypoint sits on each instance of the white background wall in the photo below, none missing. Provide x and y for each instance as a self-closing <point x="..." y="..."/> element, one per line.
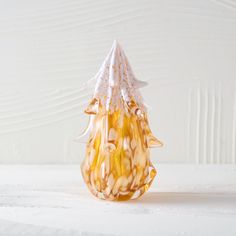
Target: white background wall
<point x="186" y="49"/>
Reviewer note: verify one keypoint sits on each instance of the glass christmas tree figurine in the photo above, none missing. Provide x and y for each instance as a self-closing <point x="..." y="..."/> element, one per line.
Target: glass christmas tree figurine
<point x="117" y="164"/>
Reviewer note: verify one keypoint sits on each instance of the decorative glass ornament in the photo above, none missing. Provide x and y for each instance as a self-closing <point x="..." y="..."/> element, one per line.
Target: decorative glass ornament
<point x="117" y="164"/>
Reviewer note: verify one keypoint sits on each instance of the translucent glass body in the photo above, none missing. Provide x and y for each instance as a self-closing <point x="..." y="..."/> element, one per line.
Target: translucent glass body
<point x="117" y="164"/>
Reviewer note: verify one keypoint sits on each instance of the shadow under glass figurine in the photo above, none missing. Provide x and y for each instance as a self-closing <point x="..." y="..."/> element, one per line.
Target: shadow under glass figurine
<point x="117" y="165"/>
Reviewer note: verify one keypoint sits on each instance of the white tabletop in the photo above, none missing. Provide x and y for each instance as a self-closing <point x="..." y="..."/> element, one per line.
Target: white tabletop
<point x="53" y="200"/>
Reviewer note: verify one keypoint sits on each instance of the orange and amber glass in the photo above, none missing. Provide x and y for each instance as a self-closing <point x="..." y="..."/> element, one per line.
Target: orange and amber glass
<point x="117" y="164"/>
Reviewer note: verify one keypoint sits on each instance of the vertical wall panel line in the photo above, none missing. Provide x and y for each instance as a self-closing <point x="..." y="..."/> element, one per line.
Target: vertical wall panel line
<point x="189" y="133"/>
<point x="205" y="126"/>
<point x="234" y="132"/>
<point x="212" y="128"/>
<point x="218" y="129"/>
<point x="198" y="117"/>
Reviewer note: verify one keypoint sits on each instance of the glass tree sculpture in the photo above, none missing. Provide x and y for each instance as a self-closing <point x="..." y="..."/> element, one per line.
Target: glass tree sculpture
<point x="117" y="164"/>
